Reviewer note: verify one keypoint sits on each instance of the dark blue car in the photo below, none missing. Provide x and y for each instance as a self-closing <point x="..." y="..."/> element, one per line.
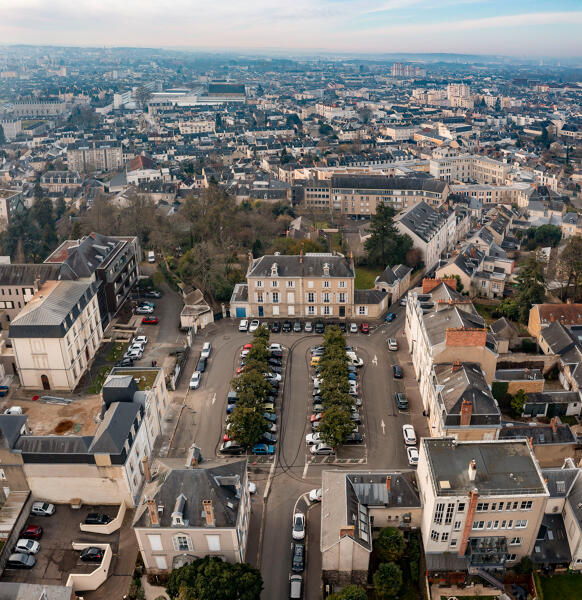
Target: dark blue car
<point x="390" y="317"/>
<point x="263" y="449"/>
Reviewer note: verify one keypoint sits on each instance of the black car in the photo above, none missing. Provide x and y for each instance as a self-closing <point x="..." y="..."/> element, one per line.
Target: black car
<point x="319" y="327"/>
<point x="297" y="327"/>
<point x="274" y="391"/>
<point x="201" y="366"/>
<point x="231" y="447"/>
<point x="287" y="326"/>
<point x="92" y="554"/>
<point x="397" y="370"/>
<point x="401" y="401"/>
<point x="269" y="438"/>
<point x="276" y="354"/>
<point x="275" y="362"/>
<point x="97" y="519"/>
<point x="317" y="399"/>
<point x="275" y="369"/>
<point x="354" y="438"/>
<point x="298" y="560"/>
<point x="343" y="327"/>
<point x="276" y="327"/>
<point x="124" y="362"/>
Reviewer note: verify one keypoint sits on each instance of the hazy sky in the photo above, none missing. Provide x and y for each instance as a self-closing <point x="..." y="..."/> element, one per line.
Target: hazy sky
<point x="516" y="27"/>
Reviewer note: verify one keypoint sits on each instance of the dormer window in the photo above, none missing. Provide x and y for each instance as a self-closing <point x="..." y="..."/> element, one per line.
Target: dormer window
<point x="326" y="269"/>
<point x="274" y="270"/>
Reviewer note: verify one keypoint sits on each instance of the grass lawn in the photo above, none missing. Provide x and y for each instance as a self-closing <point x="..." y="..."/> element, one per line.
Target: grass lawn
<point x="562" y="587"/>
<point x="486" y="311"/>
<point x="98" y="382"/>
<point x="365" y="277"/>
<point x="116" y="352"/>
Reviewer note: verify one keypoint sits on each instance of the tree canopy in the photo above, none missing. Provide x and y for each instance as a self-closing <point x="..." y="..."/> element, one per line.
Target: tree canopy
<point x="386" y="245"/>
<point x="388" y="580"/>
<point x="531" y="288"/>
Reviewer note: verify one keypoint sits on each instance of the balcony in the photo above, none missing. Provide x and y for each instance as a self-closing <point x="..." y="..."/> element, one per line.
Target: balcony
<point x="487" y="552"/>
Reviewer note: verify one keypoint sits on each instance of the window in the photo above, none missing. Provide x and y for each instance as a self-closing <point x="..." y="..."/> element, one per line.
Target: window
<point x="290" y="284"/>
<point x="514" y="507"/>
<point x="213" y="542"/>
<point x="453" y="542"/>
<point x="461" y="507"/>
<point x="259" y="296"/>
<point x="438" y="513"/>
<point x="182" y="543"/>
<point x="501" y="506"/>
<point x="489" y="524"/>
<point x="342" y="297"/>
<point x="326" y="297"/>
<point x="274" y="283"/>
<point x="326" y="284"/>
<point x="521" y="524"/>
<point x="310" y="284"/>
<point x="478" y="524"/>
<point x="326" y="310"/>
<point x="457" y="526"/>
<point x="310" y="297"/>
<point x="503" y="523"/>
<point x="482" y="506"/>
<point x="362" y="310"/>
<point x="449" y="515"/>
<point x="515" y="541"/>
<point x="275" y="297"/>
<point x="161" y="562"/>
<point x="155" y="542"/>
<point x="311" y="310"/>
<point x="526" y="505"/>
<point x="341" y="284"/>
<point x="434" y="536"/>
<point x="494" y="507"/>
<point x="511" y="557"/>
<point x="445" y="537"/>
<point x="495" y="524"/>
<point x="510" y="524"/>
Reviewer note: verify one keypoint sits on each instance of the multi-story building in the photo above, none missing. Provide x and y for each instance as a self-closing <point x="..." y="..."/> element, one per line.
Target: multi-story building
<point x="202" y="510"/>
<point x="483" y="502"/>
<point x="56" y="335"/>
<point x="57" y="182"/>
<point x="432" y="231"/>
<point x="95" y="156"/>
<point x="515" y="193"/>
<point x="37" y="109"/>
<point x="11" y="202"/>
<point x="194" y="127"/>
<point x="470" y="168"/>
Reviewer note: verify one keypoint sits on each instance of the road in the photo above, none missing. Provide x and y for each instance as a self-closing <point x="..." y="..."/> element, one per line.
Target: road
<point x="202" y="419"/>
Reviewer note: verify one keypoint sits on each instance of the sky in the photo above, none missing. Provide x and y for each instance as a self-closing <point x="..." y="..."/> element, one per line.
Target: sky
<point x="507" y="27"/>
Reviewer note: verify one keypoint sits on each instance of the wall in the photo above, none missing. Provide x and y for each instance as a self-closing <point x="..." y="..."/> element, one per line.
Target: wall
<point x="112" y="526"/>
<point x="573" y="533"/>
<point x="527" y="385"/>
<point x="91" y="581"/>
<point x="17" y="501"/>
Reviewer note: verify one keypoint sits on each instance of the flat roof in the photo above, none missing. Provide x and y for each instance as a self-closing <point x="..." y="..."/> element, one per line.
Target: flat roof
<point x="503" y="468"/>
<point x="145" y="378"/>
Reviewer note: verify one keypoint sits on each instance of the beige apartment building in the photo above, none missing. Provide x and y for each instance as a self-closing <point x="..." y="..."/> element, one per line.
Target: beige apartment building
<point x="483" y="502"/>
<point x="470" y="168"/>
<point x="311" y="285"/>
<point x="94" y="156"/>
<point x="11" y="202"/>
<point x="56" y="335"/>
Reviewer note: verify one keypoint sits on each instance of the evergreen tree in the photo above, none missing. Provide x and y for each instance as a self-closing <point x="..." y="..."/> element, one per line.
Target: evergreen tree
<point x="386" y="245"/>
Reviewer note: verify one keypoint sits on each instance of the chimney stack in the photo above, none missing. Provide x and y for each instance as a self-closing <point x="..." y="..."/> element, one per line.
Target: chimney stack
<point x="153" y="510"/>
<point x="466" y="412"/>
<point x="347" y="530"/>
<point x="146" y="469"/>
<point x="209" y="513"/>
<point x="388" y="482"/>
<point x="456" y="366"/>
<point x="301" y="256"/>
<point x="554" y="424"/>
<point x="472" y="470"/>
<point x="36" y="285"/>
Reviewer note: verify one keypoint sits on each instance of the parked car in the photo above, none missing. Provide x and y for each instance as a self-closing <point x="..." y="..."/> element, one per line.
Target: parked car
<point x="20" y="561"/>
<point x="13" y="410"/>
<point x="365" y="328"/>
<point x="195" y="380"/>
<point x="397" y="371"/>
<point x="276" y="327"/>
<point x="201" y="366"/>
<point x="401" y="401"/>
<point x="149" y="303"/>
<point x="403" y="301"/>
<point x="124" y="362"/>
<point x="252" y="487"/>
<point x="134" y="354"/>
<point x="144" y="310"/>
<point x="354" y="438"/>
<point x="97" y="519"/>
<point x="412" y="454"/>
<point x="269" y="438"/>
<point x="390" y="317"/>
<point x="297" y="327"/>
<point x="274" y="362"/>
<point x="287" y="326"/>
<point x="206" y="348"/>
<point x="42" y="509"/>
<point x="151" y="320"/>
<point x="243" y="325"/>
<point x="298" y="557"/>
<point x="298" y="530"/>
<point x="273" y="376"/>
<point x="31" y="532"/>
<point x="353" y="328"/>
<point x="26" y="546"/>
<point x="295" y="585"/>
<point x="308" y="327"/>
<point x="392" y="345"/>
<point x="231" y="447"/>
<point x="321" y="449"/>
<point x="409" y="435"/>
<point x="140" y="339"/>
<point x="4" y="389"/>
<point x="263" y="449"/>
<point x="312" y="438"/>
<point x="315" y="495"/>
<point x="316" y="417"/>
<point x="319" y="327"/>
<point x="92" y="554"/>
<point x="271" y="417"/>
<point x="153" y="294"/>
<point x="269" y="406"/>
<point x="254" y="325"/>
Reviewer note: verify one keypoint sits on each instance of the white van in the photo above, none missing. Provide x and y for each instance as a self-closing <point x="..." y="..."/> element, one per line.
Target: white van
<point x="151" y="256"/>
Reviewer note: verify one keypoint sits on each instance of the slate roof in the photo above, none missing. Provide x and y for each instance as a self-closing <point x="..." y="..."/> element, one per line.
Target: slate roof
<point x="112" y="432"/>
<point x="368" y="296"/>
<point x="558" y="338"/>
<point x="383" y="182"/>
<point x="311" y="266"/>
<point x="560" y="481"/>
<point x="469" y="259"/>
<point x="52" y="310"/>
<point x="540" y="434"/>
<point x="423" y="220"/>
<point x="436" y="323"/>
<point x="575" y="500"/>
<point x="10" y="426"/>
<point x="26" y="274"/>
<point x="221" y="484"/>
<point x="388" y="276"/>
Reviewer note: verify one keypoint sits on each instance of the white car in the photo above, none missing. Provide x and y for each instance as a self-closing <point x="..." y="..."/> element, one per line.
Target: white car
<point x="140" y="339"/>
<point x="321" y="449"/>
<point x="195" y="380"/>
<point x="134" y="354"/>
<point x="206" y="350"/>
<point x="42" y="509"/>
<point x="276" y="376"/>
<point x="136" y="346"/>
<point x="353" y="328"/>
<point x="244" y="353"/>
<point x="275" y="348"/>
<point x="25" y="546"/>
<point x="315" y="495"/>
<point x="317" y="381"/>
<point x="13" y="410"/>
<point x="144" y="310"/>
<point x="313" y="438"/>
<point x="255" y="324"/>
<point x="409" y="435"/>
<point x="412" y="454"/>
<point x="298" y="526"/>
<point x="252" y="487"/>
<point x="243" y="325"/>
<point x="392" y="345"/>
<point x="403" y="301"/>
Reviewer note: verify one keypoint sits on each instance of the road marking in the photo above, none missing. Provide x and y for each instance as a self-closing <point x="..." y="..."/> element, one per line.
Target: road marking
<point x="214" y="398"/>
<point x="305" y="470"/>
<point x="375" y="361"/>
<point x="383" y="425"/>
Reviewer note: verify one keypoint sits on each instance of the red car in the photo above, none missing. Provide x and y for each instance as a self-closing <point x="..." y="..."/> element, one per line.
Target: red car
<point x="316" y="417"/>
<point x="247" y="346"/>
<point x="31" y="532"/>
<point x="365" y="328"/>
<point x="150" y="320"/>
<point x="240" y="370"/>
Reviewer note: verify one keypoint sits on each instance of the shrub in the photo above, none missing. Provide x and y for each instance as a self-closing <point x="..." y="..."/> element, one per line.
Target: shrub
<point x="528" y="346"/>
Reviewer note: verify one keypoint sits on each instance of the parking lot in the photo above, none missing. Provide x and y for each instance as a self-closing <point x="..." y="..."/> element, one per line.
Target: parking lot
<point x="56" y="559"/>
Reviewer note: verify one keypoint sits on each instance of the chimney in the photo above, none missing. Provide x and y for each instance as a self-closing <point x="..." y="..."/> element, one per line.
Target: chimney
<point x="473" y="498"/>
<point x="36" y="285"/>
<point x="209" y="513"/>
<point x="456" y="366"/>
<point x="466" y="412"/>
<point x="347" y="530"/>
<point x="153" y="510"/>
<point x="388" y="482"/>
<point x="472" y="470"/>
<point x="146" y="469"/>
<point x="530" y="441"/>
<point x="301" y="256"/>
<point x="554" y="424"/>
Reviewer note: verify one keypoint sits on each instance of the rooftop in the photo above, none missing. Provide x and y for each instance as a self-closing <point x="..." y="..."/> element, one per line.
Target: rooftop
<point x="308" y="265"/>
<point x="145" y="378"/>
<point x="503" y="468"/>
